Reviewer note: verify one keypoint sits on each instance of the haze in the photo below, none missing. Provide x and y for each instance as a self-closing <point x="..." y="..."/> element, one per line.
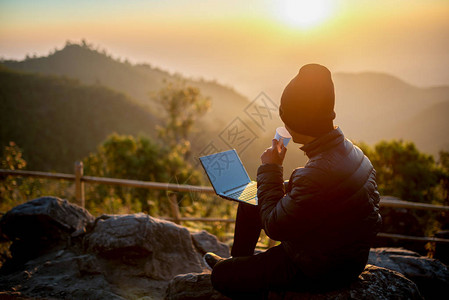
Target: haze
<point x="249" y="45"/>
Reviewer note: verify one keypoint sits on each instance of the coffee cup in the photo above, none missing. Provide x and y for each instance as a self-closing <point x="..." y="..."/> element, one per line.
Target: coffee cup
<point x="282" y="132"/>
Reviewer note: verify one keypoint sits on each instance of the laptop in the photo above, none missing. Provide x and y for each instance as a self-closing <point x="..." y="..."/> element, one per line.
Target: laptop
<point x="229" y="178"/>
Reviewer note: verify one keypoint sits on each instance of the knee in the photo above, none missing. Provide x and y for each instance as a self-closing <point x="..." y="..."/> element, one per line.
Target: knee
<point x="221" y="275"/>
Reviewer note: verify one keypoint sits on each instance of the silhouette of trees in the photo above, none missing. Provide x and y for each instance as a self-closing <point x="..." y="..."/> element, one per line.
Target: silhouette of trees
<point x="443" y="168"/>
<point x="11" y="159"/>
<point x="406" y="173"/>
<point x="181" y="106"/>
<point x="16" y="190"/>
<point x="403" y="171"/>
<point x="122" y="156"/>
<point x="140" y="158"/>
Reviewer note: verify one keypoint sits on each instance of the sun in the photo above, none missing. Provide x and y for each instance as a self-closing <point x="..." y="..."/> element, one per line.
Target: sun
<point x="304" y="13"/>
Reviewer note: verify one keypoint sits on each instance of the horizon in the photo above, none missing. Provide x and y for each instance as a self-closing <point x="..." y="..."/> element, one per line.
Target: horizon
<point x="251" y="47"/>
<point x="102" y="51"/>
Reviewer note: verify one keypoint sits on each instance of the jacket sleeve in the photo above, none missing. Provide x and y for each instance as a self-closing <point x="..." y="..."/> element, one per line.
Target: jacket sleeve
<point x="288" y="215"/>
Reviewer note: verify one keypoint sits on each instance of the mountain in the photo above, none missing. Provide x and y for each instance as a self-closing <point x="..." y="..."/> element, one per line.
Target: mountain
<point x="92" y="66"/>
<point x="433" y="133"/>
<point x="57" y="120"/>
<point x="373" y="106"/>
<point x="370" y="106"/>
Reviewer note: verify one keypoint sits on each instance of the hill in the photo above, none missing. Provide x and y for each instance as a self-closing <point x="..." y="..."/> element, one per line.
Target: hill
<point x="374" y="106"/>
<point x="369" y="106"/>
<point x="434" y="132"/>
<point x="57" y="120"/>
<point x="91" y="66"/>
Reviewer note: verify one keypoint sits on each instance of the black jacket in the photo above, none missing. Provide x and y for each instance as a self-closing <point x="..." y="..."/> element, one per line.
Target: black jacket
<point x="328" y="214"/>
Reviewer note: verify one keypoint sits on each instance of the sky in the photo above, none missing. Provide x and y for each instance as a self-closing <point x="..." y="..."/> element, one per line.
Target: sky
<point x="250" y="45"/>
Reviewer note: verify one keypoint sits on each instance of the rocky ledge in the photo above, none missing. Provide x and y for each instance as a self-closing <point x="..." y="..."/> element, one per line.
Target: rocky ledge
<point x="60" y="251"/>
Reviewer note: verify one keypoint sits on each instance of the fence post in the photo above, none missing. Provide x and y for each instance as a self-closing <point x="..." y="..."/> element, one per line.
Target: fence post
<point x="174" y="207"/>
<point x="79" y="185"/>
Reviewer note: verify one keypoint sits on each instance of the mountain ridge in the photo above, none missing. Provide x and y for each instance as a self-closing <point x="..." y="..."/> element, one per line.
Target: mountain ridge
<point x="57" y="120"/>
<point x="139" y="81"/>
<point x="370" y="106"/>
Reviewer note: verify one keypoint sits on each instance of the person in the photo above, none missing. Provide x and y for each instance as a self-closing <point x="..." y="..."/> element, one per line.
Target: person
<point x="325" y="218"/>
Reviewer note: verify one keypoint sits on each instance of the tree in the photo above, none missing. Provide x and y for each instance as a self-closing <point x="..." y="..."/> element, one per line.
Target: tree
<point x="145" y="159"/>
<point x="443" y="168"/>
<point x="406" y="173"/>
<point x="15" y="190"/>
<point x="139" y="158"/>
<point x="182" y="105"/>
<point x="11" y="159"/>
<point x="403" y="171"/>
<point x="124" y="157"/>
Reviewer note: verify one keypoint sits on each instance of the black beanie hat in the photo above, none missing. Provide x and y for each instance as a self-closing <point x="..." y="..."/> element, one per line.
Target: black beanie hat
<point x="307" y="103"/>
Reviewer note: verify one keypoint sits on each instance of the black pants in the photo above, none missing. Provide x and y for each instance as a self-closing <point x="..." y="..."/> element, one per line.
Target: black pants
<point x="248" y="276"/>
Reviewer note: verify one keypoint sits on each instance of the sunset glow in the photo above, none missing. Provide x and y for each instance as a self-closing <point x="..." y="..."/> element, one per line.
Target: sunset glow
<point x="304" y="13"/>
<point x="245" y="44"/>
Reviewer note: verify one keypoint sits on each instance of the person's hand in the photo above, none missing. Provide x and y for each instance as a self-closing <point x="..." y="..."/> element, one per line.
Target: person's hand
<point x="275" y="154"/>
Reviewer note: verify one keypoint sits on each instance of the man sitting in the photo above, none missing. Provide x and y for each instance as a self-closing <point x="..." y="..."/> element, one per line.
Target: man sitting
<point x="326" y="217"/>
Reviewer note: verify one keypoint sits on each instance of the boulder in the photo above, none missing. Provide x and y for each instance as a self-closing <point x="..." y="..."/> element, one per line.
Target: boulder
<point x="206" y="242"/>
<point x="56" y="275"/>
<point x="192" y="286"/>
<point x="44" y="218"/>
<point x="140" y="257"/>
<point x="159" y="249"/>
<point x="114" y="257"/>
<point x="373" y="284"/>
<point x="430" y="275"/>
<point x="41" y="225"/>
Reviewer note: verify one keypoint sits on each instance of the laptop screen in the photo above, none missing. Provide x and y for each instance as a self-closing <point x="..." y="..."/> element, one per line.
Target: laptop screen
<point x="225" y="170"/>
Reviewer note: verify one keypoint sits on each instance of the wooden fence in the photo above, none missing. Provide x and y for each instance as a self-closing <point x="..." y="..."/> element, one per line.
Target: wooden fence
<point x="80" y="180"/>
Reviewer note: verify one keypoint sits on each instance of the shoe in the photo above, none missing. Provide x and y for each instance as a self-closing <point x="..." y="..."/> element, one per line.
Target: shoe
<point x="211" y="259"/>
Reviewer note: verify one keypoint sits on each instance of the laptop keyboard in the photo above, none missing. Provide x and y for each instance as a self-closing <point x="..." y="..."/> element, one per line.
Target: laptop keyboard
<point x="249" y="193"/>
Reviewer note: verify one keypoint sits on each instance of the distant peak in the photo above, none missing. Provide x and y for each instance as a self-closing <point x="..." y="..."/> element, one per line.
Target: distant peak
<point x="373" y="78"/>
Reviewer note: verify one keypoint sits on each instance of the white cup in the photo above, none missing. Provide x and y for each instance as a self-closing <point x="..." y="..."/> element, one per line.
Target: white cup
<point x="281" y="132"/>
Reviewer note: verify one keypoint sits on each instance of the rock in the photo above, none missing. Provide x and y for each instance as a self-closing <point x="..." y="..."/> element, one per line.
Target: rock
<point x="40" y="225"/>
<point x="192" y="286"/>
<point x="206" y="242"/>
<point x="162" y="249"/>
<point x="377" y="283"/>
<point x="117" y="257"/>
<point x="88" y="265"/>
<point x="141" y="257"/>
<point x="44" y="217"/>
<point x="52" y="277"/>
<point x="430" y="275"/>
<point x="373" y="284"/>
